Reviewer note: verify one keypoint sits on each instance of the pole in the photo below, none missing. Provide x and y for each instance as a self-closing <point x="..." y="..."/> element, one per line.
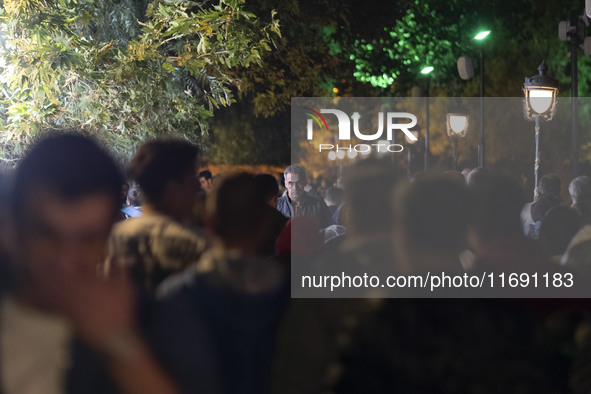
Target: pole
<point x="427" y="127"/>
<point x="394" y="169"/>
<point x="454" y="164"/>
<point x="537" y="160"/>
<point x="481" y="144"/>
<point x="408" y="161"/>
<point x="574" y="47"/>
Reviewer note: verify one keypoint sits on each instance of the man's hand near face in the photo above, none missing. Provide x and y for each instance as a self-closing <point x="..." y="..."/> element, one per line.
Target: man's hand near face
<point x="102" y="312"/>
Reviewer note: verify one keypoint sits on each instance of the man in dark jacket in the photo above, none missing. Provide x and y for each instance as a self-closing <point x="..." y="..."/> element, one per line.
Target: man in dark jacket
<point x="297" y="202"/>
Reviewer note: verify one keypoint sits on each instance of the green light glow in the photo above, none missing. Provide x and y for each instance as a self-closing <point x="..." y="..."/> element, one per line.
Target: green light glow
<point x="427" y="70"/>
<point x="482" y="35"/>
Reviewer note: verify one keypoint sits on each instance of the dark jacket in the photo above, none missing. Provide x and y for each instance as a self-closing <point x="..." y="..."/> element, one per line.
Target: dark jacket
<point x="310" y="206"/>
<point x="243" y="322"/>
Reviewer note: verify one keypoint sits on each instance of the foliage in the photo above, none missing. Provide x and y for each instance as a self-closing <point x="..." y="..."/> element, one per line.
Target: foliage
<point x="437" y="33"/>
<point x="241" y="138"/>
<point x="307" y="62"/>
<point x="428" y="33"/>
<point x="304" y="64"/>
<point x="122" y="70"/>
<point x="524" y="32"/>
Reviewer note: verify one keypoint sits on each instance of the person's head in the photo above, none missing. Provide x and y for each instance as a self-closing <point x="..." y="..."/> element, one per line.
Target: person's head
<point x="549" y="185"/>
<point x="205" y="180"/>
<point x="497" y="203"/>
<point x="431" y="215"/>
<point x="580" y="190"/>
<point x="333" y="196"/>
<point x="134" y="197"/>
<point x="295" y="181"/>
<point x="65" y="198"/>
<point x="475" y="173"/>
<point x="236" y="212"/>
<point x="165" y="172"/>
<point x="268" y="185"/>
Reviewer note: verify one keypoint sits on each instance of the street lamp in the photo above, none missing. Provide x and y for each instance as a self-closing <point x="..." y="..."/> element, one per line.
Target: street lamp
<point x="457" y="126"/>
<point x="481" y="145"/>
<point x="427" y="71"/>
<point x="482" y="35"/>
<point x="539" y="104"/>
<point x="409" y="149"/>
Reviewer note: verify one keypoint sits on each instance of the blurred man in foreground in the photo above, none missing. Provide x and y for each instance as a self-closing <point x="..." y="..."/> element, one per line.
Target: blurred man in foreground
<point x="65" y="200"/>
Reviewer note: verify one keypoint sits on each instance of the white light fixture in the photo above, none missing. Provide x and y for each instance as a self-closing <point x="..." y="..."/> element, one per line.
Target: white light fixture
<point x="540" y="95"/>
<point x="540" y="99"/>
<point x="457" y="122"/>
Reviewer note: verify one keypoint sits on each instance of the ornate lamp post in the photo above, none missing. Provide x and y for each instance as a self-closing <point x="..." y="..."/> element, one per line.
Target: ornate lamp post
<point x="540" y="104"/>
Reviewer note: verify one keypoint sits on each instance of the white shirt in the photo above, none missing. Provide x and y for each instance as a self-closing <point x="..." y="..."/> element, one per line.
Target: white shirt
<point x="33" y="350"/>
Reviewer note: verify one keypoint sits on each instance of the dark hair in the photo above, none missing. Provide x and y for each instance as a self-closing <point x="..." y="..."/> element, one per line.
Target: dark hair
<point x="497" y="203"/>
<point x="550" y="184"/>
<point x="237" y="207"/>
<point x="158" y="162"/>
<point x="434" y="212"/>
<point x="205" y="174"/>
<point x="135" y="197"/>
<point x="268" y="185"/>
<point x="70" y="165"/>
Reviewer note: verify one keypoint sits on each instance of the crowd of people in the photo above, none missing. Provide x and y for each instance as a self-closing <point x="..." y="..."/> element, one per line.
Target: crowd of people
<point x="171" y="280"/>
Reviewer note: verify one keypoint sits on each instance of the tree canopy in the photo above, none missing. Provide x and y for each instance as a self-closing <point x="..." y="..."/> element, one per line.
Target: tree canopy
<point x="122" y="70"/>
